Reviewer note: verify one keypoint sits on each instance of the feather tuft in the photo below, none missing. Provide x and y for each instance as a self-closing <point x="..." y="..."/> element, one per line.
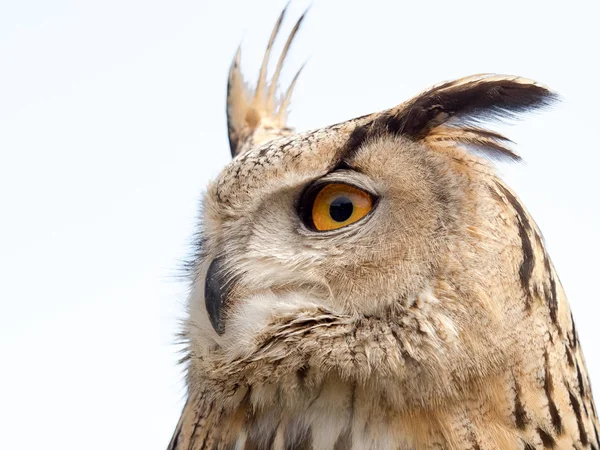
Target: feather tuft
<point x="255" y="116"/>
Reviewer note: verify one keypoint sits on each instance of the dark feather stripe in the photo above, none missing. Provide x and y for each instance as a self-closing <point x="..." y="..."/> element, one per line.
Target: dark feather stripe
<point x="519" y="410"/>
<point x="358" y="137"/>
<point x="524" y="228"/>
<point x="549" y="389"/>
<point x="577" y="410"/>
<point x="569" y="355"/>
<point x="592" y="402"/>
<point x="473" y="441"/>
<point x="176" y="435"/>
<point x="256" y="441"/>
<point x="580" y="381"/>
<point x="573" y="337"/>
<point x="550" y="292"/>
<point x="175" y="439"/>
<point x="526" y="269"/>
<point x="344" y="441"/>
<point x="198" y="418"/>
<point x="251" y="444"/>
<point x="547" y="440"/>
<point x="552" y="301"/>
<point x="299" y="440"/>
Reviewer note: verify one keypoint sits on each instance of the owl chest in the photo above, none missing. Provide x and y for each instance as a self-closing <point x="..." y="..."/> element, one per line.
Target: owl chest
<point x="335" y="419"/>
<point x="353" y="419"/>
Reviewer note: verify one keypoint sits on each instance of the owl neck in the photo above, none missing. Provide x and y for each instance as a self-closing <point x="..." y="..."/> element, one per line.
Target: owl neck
<point x="339" y="382"/>
<point x="308" y="410"/>
<point x="342" y="370"/>
<point x="414" y="353"/>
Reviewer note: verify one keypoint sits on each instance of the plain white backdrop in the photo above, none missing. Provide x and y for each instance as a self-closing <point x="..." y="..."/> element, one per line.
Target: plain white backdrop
<point x="112" y="122"/>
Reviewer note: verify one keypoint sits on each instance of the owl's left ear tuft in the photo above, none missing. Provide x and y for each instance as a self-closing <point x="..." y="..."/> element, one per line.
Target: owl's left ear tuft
<point x="472" y="100"/>
<point x="452" y="112"/>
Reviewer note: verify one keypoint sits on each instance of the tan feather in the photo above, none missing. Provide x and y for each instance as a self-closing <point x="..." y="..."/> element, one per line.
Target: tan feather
<point x="255" y="117"/>
<point x="488" y="142"/>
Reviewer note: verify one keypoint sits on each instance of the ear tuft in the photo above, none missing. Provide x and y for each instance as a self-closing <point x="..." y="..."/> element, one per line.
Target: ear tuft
<point x="452" y="112"/>
<point x="255" y="116"/>
<point x="473" y="100"/>
<point x="488" y="143"/>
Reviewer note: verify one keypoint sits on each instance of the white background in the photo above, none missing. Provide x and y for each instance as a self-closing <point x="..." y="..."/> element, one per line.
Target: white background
<point x="112" y="122"/>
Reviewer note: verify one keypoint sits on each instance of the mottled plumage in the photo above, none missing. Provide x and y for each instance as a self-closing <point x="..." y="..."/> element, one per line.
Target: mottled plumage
<point x="436" y="321"/>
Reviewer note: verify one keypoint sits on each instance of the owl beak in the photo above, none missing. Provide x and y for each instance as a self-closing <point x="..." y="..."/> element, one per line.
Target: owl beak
<point x="215" y="295"/>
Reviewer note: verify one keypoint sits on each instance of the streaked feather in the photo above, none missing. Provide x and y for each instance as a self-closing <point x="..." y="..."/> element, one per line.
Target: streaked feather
<point x="487" y="142"/>
<point x="411" y="376"/>
<point x="255" y="116"/>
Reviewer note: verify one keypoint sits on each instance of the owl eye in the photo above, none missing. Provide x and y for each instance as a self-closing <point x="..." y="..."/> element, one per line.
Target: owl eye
<point x="337" y="205"/>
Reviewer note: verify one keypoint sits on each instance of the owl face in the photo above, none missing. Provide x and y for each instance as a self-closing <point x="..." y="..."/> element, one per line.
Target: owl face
<point x="353" y="231"/>
<point x="374" y="284"/>
<point x="373" y="232"/>
<point x="385" y="235"/>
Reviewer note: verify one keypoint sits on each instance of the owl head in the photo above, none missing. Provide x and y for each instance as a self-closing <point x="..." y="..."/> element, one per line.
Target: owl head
<point x="381" y="250"/>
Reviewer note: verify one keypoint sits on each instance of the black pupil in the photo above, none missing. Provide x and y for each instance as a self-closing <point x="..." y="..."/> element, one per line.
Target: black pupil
<point x="341" y="209"/>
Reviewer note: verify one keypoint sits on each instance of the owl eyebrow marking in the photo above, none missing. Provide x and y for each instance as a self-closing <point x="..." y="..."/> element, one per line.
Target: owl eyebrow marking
<point x="357" y="138"/>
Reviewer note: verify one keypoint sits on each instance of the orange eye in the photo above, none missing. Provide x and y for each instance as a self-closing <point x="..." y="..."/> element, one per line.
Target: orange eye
<point x="337" y="205"/>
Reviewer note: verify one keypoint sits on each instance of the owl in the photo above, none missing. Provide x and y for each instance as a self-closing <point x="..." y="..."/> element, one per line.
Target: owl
<point x="375" y="285"/>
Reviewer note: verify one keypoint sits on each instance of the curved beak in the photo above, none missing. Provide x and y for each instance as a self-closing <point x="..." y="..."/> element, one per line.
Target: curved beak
<point x="215" y="295"/>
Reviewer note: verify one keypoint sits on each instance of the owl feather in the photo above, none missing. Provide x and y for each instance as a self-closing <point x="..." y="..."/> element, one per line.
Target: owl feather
<point x="435" y="320"/>
<point x="255" y="116"/>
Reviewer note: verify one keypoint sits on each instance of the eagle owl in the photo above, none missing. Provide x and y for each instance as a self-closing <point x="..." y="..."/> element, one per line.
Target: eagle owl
<point x="374" y="285"/>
